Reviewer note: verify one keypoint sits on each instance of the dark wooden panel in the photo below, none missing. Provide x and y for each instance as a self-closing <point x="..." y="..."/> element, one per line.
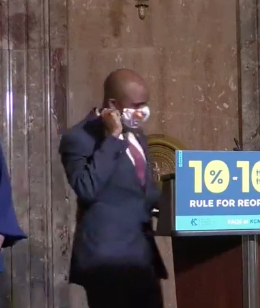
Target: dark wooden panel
<point x="208" y="272"/>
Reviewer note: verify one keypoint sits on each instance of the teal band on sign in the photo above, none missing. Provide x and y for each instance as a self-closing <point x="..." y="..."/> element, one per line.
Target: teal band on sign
<point x="216" y="223"/>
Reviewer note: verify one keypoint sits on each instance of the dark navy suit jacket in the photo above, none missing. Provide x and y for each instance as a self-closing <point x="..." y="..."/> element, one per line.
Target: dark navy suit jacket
<point x="9" y="227"/>
<point x="114" y="225"/>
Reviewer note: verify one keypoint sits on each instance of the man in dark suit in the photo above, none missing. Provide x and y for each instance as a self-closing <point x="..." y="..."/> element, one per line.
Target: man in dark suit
<point x="10" y="231"/>
<point x="115" y="257"/>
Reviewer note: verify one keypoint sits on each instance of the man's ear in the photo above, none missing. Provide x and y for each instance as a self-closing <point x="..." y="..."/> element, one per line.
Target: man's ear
<point x="112" y="103"/>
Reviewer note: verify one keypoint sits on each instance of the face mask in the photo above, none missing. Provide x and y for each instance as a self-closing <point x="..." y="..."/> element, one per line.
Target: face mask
<point x="134" y="117"/>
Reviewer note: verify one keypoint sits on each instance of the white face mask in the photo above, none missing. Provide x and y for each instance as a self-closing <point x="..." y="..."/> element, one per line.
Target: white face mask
<point x="134" y="117"/>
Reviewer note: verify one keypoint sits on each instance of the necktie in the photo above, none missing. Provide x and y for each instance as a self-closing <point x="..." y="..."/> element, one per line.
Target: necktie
<point x="140" y="164"/>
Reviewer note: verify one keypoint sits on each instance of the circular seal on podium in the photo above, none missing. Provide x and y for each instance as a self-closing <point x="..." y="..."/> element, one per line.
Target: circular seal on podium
<point x="162" y="152"/>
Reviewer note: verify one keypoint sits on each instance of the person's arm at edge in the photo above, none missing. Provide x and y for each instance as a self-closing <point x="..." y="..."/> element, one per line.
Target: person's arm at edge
<point x="10" y="231"/>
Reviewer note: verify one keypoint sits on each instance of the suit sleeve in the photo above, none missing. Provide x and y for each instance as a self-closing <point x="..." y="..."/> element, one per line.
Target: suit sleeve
<point x="9" y="227"/>
<point x="154" y="192"/>
<point x="87" y="171"/>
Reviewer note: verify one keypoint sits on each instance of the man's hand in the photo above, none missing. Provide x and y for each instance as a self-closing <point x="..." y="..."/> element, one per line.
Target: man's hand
<point x="1" y="240"/>
<point x="112" y="121"/>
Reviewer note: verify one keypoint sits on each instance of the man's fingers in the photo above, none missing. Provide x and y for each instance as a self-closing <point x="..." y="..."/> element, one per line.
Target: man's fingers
<point x="110" y="112"/>
<point x="115" y="114"/>
<point x="105" y="111"/>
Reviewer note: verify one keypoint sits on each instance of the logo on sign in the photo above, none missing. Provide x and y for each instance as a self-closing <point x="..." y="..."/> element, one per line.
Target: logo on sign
<point x="217" y="191"/>
<point x="255" y="221"/>
<point x="194" y="222"/>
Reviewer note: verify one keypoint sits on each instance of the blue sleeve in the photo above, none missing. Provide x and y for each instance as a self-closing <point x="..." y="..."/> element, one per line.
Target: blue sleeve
<point x="9" y="227"/>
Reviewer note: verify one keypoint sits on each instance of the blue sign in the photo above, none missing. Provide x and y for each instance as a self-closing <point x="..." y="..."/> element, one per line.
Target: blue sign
<point x="217" y="191"/>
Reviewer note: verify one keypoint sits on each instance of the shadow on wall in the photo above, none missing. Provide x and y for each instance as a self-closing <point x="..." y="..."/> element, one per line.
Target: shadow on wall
<point x="116" y="16"/>
<point x="17" y="28"/>
<point x="59" y="88"/>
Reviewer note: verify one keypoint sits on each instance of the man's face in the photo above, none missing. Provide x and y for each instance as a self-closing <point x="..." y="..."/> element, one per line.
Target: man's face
<point x="134" y="105"/>
<point x="135" y="96"/>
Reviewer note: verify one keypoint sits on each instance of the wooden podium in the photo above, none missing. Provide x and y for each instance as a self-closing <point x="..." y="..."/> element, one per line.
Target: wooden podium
<point x="207" y="271"/>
